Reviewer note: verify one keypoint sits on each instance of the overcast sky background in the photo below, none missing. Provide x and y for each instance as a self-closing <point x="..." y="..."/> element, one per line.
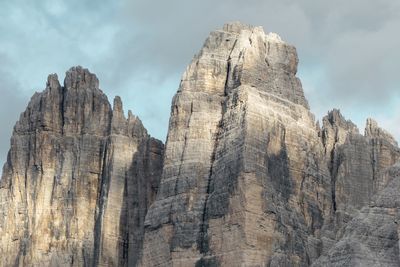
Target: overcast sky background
<point x="349" y="51"/>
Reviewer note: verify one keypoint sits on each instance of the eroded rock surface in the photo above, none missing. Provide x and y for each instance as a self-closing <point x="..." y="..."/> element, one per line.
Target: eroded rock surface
<point x="247" y="178"/>
<point x="78" y="180"/>
<point x="355" y="162"/>
<point x="372" y="237"/>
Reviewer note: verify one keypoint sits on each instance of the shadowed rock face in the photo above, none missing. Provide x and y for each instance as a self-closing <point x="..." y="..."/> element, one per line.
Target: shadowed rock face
<point x="247" y="177"/>
<point x="78" y="179"/>
<point x="372" y="237"/>
<point x="356" y="163"/>
<point x="244" y="178"/>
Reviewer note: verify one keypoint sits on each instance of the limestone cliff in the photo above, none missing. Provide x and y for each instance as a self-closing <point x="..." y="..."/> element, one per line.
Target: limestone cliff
<point x="372" y="237"/>
<point x="247" y="177"/>
<point x="245" y="181"/>
<point x="355" y="162"/>
<point x="78" y="179"/>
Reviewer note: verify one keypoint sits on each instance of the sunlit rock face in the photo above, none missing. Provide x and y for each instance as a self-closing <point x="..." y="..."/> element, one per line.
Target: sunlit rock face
<point x="245" y="180"/>
<point x="78" y="179"/>
<point x="247" y="177"/>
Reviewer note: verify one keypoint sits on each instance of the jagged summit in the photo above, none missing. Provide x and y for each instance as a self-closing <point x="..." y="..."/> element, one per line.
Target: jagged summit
<point x="243" y="55"/>
<point x="76" y="77"/>
<point x="79" y="106"/>
<point x="79" y="77"/>
<point x="335" y="119"/>
<point x="237" y="27"/>
<point x="77" y="173"/>
<point x="248" y="180"/>
<point x="373" y="130"/>
<point x="246" y="177"/>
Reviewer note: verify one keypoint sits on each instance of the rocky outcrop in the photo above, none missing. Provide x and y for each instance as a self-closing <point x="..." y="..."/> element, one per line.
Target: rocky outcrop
<point x="355" y="162"/>
<point x="247" y="178"/>
<point x="372" y="237"/>
<point x="78" y="179"/>
<point x="244" y="180"/>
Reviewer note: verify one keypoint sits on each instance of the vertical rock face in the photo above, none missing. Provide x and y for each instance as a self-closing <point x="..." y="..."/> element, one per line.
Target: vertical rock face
<point x="245" y="180"/>
<point x="372" y="237"/>
<point x="78" y="179"/>
<point x="355" y="162"/>
<point x="249" y="179"/>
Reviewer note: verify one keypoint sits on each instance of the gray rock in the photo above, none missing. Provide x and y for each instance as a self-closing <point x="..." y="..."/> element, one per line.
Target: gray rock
<point x="372" y="237"/>
<point x="248" y="178"/>
<point x="245" y="180"/>
<point x="78" y="179"/>
<point x="355" y="162"/>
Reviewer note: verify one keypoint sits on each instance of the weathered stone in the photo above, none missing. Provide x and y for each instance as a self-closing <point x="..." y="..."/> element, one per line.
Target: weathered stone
<point x="372" y="237"/>
<point x="247" y="178"/>
<point x="78" y="180"/>
<point x="355" y="163"/>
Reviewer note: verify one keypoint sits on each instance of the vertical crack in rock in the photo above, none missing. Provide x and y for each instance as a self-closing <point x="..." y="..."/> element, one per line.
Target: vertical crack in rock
<point x="125" y="229"/>
<point x="247" y="177"/>
<point x="62" y="109"/>
<point x="181" y="159"/>
<point x="101" y="205"/>
<point x="333" y="168"/>
<point x="62" y="178"/>
<point x="203" y="245"/>
<point x="203" y="234"/>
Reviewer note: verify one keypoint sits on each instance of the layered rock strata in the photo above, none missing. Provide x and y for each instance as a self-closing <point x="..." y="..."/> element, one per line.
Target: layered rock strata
<point x="247" y="178"/>
<point x="78" y="179"/>
<point x="356" y="163"/>
<point x="372" y="237"/>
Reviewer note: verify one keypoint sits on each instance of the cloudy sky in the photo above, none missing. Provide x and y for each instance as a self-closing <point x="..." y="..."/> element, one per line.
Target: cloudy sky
<point x="348" y="49"/>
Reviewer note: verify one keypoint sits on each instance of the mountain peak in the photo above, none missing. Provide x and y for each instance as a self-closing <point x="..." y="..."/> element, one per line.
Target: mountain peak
<point x="372" y="129"/>
<point x="244" y="55"/>
<point x="237" y="27"/>
<point x="79" y="77"/>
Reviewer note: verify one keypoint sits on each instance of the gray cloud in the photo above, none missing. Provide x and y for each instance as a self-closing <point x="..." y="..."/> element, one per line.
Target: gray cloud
<point x="11" y="104"/>
<point x="139" y="49"/>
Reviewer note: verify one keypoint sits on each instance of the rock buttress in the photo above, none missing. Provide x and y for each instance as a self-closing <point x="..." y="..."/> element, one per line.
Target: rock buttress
<point x="371" y="238"/>
<point x="244" y="181"/>
<point x="356" y="163"/>
<point x="78" y="179"/>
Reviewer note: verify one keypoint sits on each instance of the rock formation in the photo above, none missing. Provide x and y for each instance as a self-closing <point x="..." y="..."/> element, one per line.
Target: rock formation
<point x="244" y="178"/>
<point x="372" y="237"/>
<point x="355" y="162"/>
<point x="78" y="180"/>
<point x="247" y="178"/>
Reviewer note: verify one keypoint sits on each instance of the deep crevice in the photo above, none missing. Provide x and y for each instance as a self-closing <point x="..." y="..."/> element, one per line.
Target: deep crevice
<point x="333" y="169"/>
<point x="62" y="109"/>
<point x="203" y="242"/>
<point x="100" y="207"/>
<point x="181" y="159"/>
